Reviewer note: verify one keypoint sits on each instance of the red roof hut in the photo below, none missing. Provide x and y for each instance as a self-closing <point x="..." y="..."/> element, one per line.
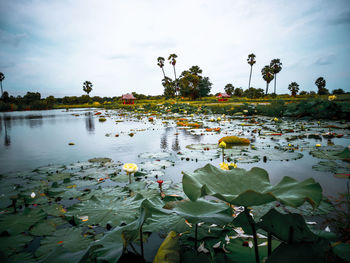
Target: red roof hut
<point x="128" y="99"/>
<point x="223" y="96"/>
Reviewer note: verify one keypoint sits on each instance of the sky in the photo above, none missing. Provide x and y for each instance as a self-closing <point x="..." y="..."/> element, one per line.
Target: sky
<point x="52" y="47"/>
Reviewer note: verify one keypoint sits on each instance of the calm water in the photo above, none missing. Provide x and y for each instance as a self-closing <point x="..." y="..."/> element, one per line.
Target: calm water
<point x="37" y="138"/>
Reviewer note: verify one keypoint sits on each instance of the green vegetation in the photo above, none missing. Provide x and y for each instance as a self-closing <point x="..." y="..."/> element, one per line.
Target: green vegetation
<point x="87" y="87"/>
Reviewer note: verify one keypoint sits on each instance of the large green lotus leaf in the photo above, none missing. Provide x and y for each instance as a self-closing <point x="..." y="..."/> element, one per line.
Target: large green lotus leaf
<point x="60" y="255"/>
<point x="249" y="188"/>
<point x="279" y="225"/>
<point x="332" y="167"/>
<point x="71" y="239"/>
<point x="13" y="244"/>
<point x="204" y="211"/>
<point x="106" y="210"/>
<point x="58" y="177"/>
<point x="111" y="246"/>
<point x="23" y="257"/>
<point x="244" y="254"/>
<point x="47" y="227"/>
<point x="307" y="252"/>
<point x="20" y="222"/>
<point x="342" y="250"/>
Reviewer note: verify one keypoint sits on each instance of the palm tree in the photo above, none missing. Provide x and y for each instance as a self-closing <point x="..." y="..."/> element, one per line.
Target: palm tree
<point x="172" y="61"/>
<point x="87" y="87"/>
<point x="276" y="67"/>
<point x="251" y="62"/>
<point x="321" y="85"/>
<point x="294" y="88"/>
<point x="268" y="76"/>
<point x="2" y="77"/>
<point x="161" y="64"/>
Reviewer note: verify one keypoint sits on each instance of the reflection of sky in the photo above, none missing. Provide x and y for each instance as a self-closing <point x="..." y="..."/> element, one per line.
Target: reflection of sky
<point x="54" y="52"/>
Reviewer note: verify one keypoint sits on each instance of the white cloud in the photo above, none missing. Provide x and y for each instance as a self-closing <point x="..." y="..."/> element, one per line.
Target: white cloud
<point x="115" y="44"/>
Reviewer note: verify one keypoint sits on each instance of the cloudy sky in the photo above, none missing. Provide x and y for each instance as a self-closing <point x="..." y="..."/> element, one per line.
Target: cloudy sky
<point x="54" y="46"/>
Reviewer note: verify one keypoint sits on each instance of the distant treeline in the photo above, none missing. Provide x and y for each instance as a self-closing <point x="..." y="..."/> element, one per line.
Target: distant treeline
<point x="33" y="101"/>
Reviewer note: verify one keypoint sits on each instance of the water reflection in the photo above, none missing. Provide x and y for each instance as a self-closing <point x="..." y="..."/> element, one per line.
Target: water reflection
<point x="7" y="125"/>
<point x="34" y="123"/>
<point x="175" y="145"/>
<point x="164" y="139"/>
<point x="89" y="122"/>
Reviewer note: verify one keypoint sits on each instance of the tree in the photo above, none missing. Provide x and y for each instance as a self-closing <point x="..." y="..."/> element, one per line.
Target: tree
<point x="161" y="64"/>
<point x="31" y="97"/>
<point x="251" y="61"/>
<point x="268" y="76"/>
<point x="172" y="61"/>
<point x="5" y="97"/>
<point x="338" y="92"/>
<point x="294" y="88"/>
<point x="169" y="87"/>
<point x="204" y="87"/>
<point x="276" y="67"/>
<point x="321" y="85"/>
<point x="238" y="92"/>
<point x="2" y="77"/>
<point x="87" y="87"/>
<point x="303" y="92"/>
<point x="229" y="88"/>
<point x="253" y="93"/>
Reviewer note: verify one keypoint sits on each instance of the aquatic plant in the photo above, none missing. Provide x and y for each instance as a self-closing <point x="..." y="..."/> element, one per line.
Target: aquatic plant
<point x="234" y="140"/>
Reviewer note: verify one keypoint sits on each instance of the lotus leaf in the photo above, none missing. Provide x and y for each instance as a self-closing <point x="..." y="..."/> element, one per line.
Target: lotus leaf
<point x="304" y="252"/>
<point x="70" y="239"/>
<point x="13" y="244"/>
<point x="204" y="211"/>
<point x="336" y="152"/>
<point x="20" y="222"/>
<point x="342" y="250"/>
<point x="249" y="188"/>
<point x="279" y="225"/>
<point x="60" y="254"/>
<point x="332" y="167"/>
<point x="100" y="160"/>
<point x="47" y="227"/>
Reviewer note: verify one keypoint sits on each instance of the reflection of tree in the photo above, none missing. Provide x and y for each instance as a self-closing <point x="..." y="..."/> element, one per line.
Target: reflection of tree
<point x="164" y="139"/>
<point x="176" y="146"/>
<point x="89" y="123"/>
<point x="7" y="141"/>
<point x="195" y="137"/>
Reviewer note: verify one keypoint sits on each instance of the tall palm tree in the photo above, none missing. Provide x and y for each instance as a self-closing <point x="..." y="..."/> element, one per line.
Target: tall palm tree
<point x="2" y="77"/>
<point x="321" y="85"/>
<point x="268" y="76"/>
<point x="172" y="61"/>
<point x="251" y="61"/>
<point x="161" y="64"/>
<point x="87" y="87"/>
<point x="276" y="67"/>
<point x="229" y="89"/>
<point x="294" y="88"/>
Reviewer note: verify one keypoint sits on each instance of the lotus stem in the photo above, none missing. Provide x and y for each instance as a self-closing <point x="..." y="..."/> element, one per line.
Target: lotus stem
<point x="14" y="201"/>
<point x="291" y="232"/>
<point x="223" y="155"/>
<point x="141" y="243"/>
<point x="129" y="177"/>
<point x="269" y="244"/>
<point x="195" y="237"/>
<point x="255" y="238"/>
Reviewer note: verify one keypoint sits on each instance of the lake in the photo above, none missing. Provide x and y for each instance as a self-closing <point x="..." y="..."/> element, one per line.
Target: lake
<point x="34" y="139"/>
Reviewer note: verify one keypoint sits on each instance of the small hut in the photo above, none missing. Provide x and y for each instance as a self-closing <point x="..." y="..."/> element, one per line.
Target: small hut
<point x="223" y="96"/>
<point x="128" y="99"/>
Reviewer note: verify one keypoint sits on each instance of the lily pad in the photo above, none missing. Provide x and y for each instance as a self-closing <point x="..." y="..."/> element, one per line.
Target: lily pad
<point x="248" y="188"/>
<point x="100" y="160"/>
<point x="332" y="167"/>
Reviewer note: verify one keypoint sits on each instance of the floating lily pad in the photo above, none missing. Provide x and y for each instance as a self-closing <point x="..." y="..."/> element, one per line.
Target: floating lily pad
<point x="329" y="152"/>
<point x="100" y="160"/>
<point x="202" y="146"/>
<point x="155" y="165"/>
<point x="71" y="239"/>
<point x="13" y="244"/>
<point x="157" y="155"/>
<point x="332" y="167"/>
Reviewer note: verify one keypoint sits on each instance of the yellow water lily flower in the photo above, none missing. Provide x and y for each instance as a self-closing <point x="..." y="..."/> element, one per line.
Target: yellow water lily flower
<point x="218" y="119"/>
<point x="130" y="168"/>
<point x="232" y="165"/>
<point x="275" y="119"/>
<point x="224" y="166"/>
<point x="318" y="145"/>
<point x="222" y="144"/>
<point x="333" y="97"/>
